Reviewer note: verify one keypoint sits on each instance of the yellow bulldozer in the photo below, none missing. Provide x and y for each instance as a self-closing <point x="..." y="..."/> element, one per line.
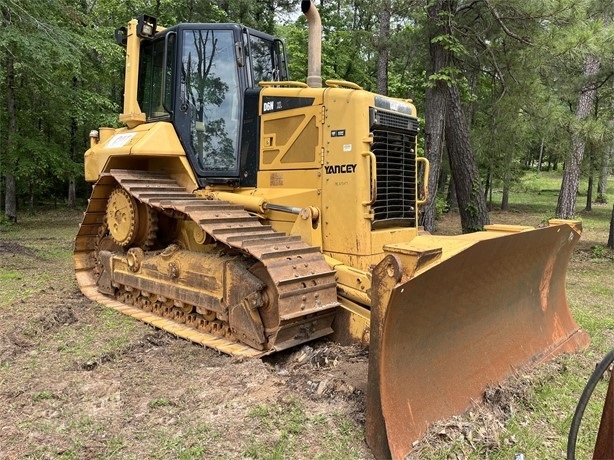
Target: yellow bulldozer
<point x="251" y="213"/>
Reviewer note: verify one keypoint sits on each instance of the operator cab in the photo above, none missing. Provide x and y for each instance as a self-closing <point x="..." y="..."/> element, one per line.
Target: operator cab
<point x="204" y="79"/>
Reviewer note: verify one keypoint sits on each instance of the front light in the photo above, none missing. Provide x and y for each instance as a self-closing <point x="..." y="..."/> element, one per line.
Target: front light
<point x="146" y="27"/>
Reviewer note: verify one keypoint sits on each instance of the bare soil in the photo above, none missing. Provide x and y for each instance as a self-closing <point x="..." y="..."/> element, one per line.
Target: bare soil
<point x="78" y="380"/>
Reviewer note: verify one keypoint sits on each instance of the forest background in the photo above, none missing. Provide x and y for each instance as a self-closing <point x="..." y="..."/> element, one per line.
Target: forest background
<point x="504" y="86"/>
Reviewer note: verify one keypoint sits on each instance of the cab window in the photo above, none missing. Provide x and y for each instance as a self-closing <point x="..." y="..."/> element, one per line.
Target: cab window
<point x="210" y="88"/>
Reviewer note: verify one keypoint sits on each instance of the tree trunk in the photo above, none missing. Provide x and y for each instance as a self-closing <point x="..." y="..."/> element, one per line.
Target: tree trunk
<point x="488" y="187"/>
<point x="10" y="209"/>
<point x="611" y="234"/>
<point x="10" y="197"/>
<point x="541" y="156"/>
<point x="505" y="196"/>
<point x="451" y="199"/>
<point x="31" y="202"/>
<point x="565" y="208"/>
<point x="74" y="149"/>
<point x="471" y="202"/>
<point x="435" y="107"/>
<point x="72" y="195"/>
<point x="589" y="193"/>
<point x="604" y="170"/>
<point x="589" y="189"/>
<point x="383" y="48"/>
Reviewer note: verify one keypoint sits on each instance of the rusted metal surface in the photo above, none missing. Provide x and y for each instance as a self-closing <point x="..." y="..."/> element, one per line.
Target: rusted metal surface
<point x="445" y="335"/>
<point x="604" y="446"/>
<point x="386" y="275"/>
<point x="294" y="301"/>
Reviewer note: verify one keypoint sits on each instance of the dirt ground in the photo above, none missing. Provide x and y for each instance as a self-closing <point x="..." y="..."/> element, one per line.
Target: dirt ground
<point x="80" y="381"/>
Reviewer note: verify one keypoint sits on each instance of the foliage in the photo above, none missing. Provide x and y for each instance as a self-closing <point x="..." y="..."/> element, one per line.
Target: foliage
<point x="518" y="65"/>
<point x="441" y="206"/>
<point x="57" y="60"/>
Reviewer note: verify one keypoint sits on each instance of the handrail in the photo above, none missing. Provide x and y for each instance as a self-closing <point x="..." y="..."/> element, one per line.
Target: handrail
<point x="298" y="84"/>
<point x="342" y="84"/>
<point x="425" y="181"/>
<point x="373" y="170"/>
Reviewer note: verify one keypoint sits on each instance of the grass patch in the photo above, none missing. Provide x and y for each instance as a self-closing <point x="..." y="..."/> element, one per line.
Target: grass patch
<point x="342" y="438"/>
<point x="283" y="423"/>
<point x="284" y="426"/>
<point x="33" y="251"/>
<point x="43" y="395"/>
<point x="191" y="444"/>
<point x="288" y="417"/>
<point x="90" y="343"/>
<point x="7" y="276"/>
<point x="159" y="402"/>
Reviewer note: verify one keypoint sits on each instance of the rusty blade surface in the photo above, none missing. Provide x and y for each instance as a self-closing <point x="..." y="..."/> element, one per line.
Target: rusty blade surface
<point x="470" y="322"/>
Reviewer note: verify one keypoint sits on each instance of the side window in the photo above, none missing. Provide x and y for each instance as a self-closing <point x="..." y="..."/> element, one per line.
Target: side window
<point x="154" y="92"/>
<point x="210" y="88"/>
<point x="262" y="60"/>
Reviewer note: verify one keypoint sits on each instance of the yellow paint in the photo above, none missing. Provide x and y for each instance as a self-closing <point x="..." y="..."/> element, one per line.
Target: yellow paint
<point x="152" y="146"/>
<point x="132" y="114"/>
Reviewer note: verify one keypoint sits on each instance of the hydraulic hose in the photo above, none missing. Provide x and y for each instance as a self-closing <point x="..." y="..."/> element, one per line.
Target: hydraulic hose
<point x="603" y="366"/>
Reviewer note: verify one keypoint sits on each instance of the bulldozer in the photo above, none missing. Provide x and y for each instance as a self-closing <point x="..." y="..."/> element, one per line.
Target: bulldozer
<point x="250" y="213"/>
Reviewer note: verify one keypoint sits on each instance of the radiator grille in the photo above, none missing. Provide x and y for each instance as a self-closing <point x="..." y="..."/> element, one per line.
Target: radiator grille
<point x="394" y="144"/>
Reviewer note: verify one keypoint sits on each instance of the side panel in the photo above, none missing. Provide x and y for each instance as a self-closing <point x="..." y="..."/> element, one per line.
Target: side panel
<point x="289" y="164"/>
<point x="291" y="133"/>
<point x="150" y="146"/>
<point x="348" y="170"/>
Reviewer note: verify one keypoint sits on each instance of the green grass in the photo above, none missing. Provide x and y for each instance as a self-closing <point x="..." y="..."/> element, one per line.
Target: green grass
<point x="285" y="425"/>
<point x="190" y="444"/>
<point x="43" y="395"/>
<point x="341" y="438"/>
<point x="285" y="421"/>
<point x="39" y="243"/>
<point x="85" y="344"/>
<point x="159" y="402"/>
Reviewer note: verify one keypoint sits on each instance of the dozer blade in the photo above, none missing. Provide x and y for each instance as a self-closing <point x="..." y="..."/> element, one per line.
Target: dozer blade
<point x="484" y="311"/>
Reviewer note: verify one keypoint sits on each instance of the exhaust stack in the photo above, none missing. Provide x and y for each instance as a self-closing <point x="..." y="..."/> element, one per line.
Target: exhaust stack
<point x="314" y="50"/>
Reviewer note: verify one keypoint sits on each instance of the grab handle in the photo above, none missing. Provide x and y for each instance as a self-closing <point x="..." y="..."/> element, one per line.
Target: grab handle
<point x="373" y="171"/>
<point x="425" y="180"/>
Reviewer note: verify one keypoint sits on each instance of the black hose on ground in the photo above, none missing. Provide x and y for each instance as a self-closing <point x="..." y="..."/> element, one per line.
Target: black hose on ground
<point x="601" y="368"/>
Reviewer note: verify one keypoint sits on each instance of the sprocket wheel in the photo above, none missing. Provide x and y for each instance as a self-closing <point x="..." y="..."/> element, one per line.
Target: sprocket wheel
<point x="130" y="222"/>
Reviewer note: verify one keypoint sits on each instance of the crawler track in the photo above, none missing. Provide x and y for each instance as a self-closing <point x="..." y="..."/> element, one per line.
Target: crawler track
<point x="304" y="284"/>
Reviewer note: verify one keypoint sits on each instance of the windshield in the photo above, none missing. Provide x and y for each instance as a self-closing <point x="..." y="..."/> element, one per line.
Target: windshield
<point x="197" y="76"/>
<point x="210" y="87"/>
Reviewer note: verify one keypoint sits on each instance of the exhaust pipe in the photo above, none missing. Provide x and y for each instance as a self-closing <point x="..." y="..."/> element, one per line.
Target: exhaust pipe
<point x="314" y="50"/>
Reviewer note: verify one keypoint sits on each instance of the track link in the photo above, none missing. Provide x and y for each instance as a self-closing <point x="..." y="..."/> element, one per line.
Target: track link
<point x="304" y="283"/>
